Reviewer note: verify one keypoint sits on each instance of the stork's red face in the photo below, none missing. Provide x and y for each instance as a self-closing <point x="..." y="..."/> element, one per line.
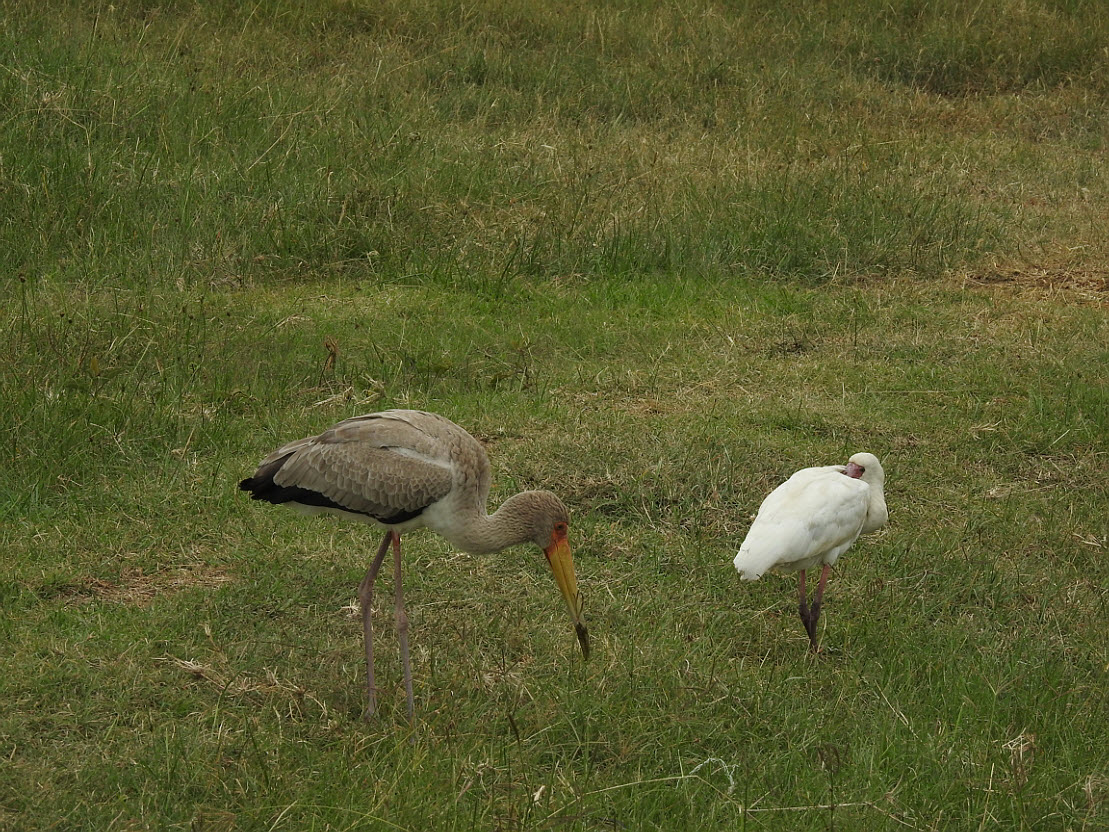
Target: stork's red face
<point x="854" y="471"/>
<point x="562" y="564"/>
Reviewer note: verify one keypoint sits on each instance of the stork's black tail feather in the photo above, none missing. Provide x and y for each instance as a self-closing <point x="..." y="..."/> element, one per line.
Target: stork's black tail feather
<point x="262" y="486"/>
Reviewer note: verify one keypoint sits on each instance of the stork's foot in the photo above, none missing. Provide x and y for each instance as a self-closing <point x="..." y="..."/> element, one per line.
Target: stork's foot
<point x="369" y="711"/>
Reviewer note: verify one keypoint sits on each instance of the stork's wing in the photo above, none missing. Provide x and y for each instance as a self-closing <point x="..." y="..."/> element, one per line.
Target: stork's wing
<point x="382" y="465"/>
<point x="817" y="511"/>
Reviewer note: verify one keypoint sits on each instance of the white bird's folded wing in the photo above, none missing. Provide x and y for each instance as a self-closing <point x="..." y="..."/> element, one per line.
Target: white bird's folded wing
<point x="812" y="517"/>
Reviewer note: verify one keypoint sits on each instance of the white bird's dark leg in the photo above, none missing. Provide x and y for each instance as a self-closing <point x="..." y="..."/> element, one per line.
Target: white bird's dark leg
<point x="817" y="597"/>
<point x="366" y="598"/>
<point x="803" y="609"/>
<point x="402" y="632"/>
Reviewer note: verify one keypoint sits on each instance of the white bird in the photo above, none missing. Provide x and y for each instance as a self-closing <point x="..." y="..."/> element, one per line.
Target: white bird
<point x="814" y="517"/>
<point x="403" y="470"/>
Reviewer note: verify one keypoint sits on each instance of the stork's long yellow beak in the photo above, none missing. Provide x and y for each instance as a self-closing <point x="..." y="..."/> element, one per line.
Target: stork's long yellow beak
<point x="562" y="564"/>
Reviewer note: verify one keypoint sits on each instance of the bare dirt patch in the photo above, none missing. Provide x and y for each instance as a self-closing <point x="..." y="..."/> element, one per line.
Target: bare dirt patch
<point x="140" y="588"/>
<point x="1089" y="284"/>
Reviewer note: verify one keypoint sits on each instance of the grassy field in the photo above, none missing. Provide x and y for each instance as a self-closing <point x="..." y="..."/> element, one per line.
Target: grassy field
<point x="656" y="256"/>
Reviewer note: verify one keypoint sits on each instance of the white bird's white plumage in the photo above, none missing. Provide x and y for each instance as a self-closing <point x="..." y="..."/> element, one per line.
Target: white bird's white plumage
<point x="814" y="517"/>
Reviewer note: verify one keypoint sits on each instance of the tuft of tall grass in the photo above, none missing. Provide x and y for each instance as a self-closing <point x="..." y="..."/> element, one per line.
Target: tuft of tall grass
<point x="954" y="49"/>
<point x="157" y="164"/>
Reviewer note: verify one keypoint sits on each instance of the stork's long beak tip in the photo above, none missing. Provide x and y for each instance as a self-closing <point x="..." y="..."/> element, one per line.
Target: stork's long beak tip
<point x="583" y="639"/>
<point x="562" y="565"/>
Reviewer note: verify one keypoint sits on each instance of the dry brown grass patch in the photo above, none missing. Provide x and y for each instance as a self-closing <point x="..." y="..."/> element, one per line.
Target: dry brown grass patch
<point x="288" y="698"/>
<point x="138" y="588"/>
<point x="1086" y="284"/>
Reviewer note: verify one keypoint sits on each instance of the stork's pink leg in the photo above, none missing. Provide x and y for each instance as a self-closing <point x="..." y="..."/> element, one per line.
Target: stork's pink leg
<point x="366" y="598"/>
<point x="402" y="631"/>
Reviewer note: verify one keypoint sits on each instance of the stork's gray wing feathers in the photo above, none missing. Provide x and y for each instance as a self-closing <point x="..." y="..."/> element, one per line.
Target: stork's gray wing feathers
<point x="383" y="465"/>
<point x="380" y="482"/>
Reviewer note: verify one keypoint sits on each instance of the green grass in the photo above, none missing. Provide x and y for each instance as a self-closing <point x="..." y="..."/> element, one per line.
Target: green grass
<point x="657" y="257"/>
